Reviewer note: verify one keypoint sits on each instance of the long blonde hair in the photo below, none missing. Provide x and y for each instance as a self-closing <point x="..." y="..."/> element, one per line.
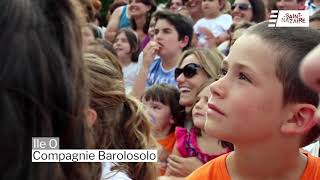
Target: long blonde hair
<point x="121" y="122"/>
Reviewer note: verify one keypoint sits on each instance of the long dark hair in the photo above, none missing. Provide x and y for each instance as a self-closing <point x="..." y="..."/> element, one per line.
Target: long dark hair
<point x="153" y="5"/>
<point x="43" y="91"/>
<point x="258" y="11"/>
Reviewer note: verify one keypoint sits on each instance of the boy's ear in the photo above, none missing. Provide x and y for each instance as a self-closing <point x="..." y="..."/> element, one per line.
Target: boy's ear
<point x="91" y="116"/>
<point x="184" y="42"/>
<point x="301" y="120"/>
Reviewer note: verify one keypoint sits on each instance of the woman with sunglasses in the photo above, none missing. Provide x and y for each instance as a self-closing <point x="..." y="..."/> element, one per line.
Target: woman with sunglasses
<point x="248" y="10"/>
<point x="195" y="66"/>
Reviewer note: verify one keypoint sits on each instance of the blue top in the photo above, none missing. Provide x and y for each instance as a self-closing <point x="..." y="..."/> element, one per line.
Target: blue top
<point x="158" y="75"/>
<point x="124" y="21"/>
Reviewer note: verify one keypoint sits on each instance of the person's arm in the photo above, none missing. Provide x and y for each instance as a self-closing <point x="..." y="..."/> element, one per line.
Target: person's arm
<point x="174" y="152"/>
<point x="149" y="53"/>
<point x="113" y="24"/>
<point x="182" y="167"/>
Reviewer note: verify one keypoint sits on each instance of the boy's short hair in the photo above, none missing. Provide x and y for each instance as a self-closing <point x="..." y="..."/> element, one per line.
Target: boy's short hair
<point x="169" y="96"/>
<point x="290" y="46"/>
<point x="182" y="24"/>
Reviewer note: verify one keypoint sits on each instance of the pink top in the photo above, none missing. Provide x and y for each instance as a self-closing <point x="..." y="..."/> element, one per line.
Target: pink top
<point x="186" y="143"/>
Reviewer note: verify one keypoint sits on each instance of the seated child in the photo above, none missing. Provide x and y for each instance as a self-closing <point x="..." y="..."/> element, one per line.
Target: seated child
<point x="214" y="24"/>
<point x="126" y="45"/>
<point x="162" y="103"/>
<point x="262" y="107"/>
<point x="196" y="142"/>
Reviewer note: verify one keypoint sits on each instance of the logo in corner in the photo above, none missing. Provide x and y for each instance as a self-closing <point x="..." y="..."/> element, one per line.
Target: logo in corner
<point x="289" y="18"/>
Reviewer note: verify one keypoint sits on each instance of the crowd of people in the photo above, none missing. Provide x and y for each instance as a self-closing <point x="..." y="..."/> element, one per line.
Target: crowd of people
<point x="207" y="83"/>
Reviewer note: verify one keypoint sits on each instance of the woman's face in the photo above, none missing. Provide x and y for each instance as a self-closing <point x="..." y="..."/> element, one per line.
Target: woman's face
<point x="138" y="9"/>
<point x="188" y="87"/>
<point x="241" y="11"/>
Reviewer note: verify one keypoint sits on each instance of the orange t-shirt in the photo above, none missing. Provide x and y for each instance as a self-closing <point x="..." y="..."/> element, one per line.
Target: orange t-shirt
<point x="216" y="169"/>
<point x="168" y="142"/>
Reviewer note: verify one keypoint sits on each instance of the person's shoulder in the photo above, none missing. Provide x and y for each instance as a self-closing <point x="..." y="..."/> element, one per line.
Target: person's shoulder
<point x="118" y="10"/>
<point x="200" y="21"/>
<point x="214" y="169"/>
<point x="225" y="17"/>
<point x="107" y="173"/>
<point x="312" y="171"/>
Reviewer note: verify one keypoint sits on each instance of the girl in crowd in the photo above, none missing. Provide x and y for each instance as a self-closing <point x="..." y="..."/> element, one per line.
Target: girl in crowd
<point x="248" y="10"/>
<point x="235" y="31"/>
<point x="43" y="90"/>
<point x="162" y="104"/>
<point x="195" y="66"/>
<point x="126" y="46"/>
<point x="196" y="143"/>
<point x="89" y="33"/>
<point x="116" y="113"/>
<point x="140" y="12"/>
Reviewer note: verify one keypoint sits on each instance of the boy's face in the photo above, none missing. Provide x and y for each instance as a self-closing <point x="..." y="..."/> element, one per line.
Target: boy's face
<point x="161" y="116"/>
<point x="167" y="37"/>
<point x="246" y="102"/>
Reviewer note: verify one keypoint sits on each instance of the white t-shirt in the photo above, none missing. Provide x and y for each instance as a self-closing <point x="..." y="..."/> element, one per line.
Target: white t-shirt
<point x="107" y="174"/>
<point x="313" y="148"/>
<point x="130" y="75"/>
<point x="217" y="26"/>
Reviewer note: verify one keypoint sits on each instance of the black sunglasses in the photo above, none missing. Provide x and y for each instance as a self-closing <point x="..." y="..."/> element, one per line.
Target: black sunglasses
<point x="188" y="71"/>
<point x="242" y="6"/>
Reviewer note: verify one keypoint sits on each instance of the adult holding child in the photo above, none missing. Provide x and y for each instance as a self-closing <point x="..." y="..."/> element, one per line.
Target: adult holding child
<point x="195" y="67"/>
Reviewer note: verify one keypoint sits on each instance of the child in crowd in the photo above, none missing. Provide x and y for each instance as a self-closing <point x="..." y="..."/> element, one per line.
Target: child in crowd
<point x="89" y="34"/>
<point x="162" y="103"/>
<point x="271" y="115"/>
<point x="127" y="48"/>
<point x="116" y="113"/>
<point x="197" y="142"/>
<point x="173" y="34"/>
<point x="214" y="24"/>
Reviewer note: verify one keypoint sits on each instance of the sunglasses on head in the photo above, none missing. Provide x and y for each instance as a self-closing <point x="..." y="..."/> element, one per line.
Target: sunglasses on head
<point x="241" y="6"/>
<point x="188" y="71"/>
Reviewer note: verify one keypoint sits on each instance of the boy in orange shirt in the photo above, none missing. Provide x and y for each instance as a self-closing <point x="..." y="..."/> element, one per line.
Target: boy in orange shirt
<point x="261" y="106"/>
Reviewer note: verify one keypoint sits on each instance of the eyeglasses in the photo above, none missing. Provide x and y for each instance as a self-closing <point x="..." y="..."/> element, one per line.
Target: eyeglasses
<point x="188" y="71"/>
<point x="241" y="6"/>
